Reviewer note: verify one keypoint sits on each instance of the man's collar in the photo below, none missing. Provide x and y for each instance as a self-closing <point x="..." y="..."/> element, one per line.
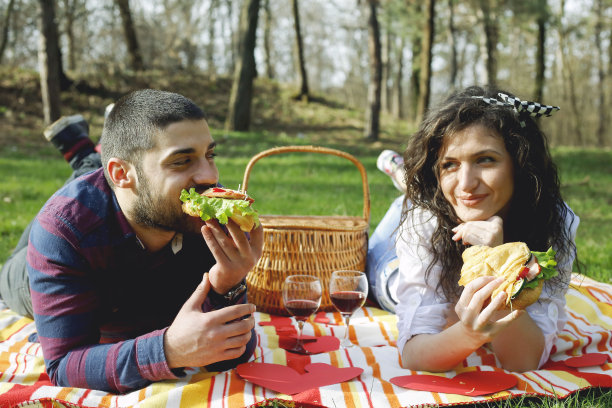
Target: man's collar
<point x="177" y="243"/>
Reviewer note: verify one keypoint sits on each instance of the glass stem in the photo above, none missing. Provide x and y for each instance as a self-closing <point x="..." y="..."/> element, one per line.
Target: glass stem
<point x="299" y="333"/>
<point x="347" y="319"/>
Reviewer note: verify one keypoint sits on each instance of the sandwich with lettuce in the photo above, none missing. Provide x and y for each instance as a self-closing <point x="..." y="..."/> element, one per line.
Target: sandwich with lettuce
<point x="524" y="271"/>
<point x="222" y="204"/>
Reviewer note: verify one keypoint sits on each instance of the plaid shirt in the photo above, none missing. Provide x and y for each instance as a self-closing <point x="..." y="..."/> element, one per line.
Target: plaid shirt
<point x="101" y="302"/>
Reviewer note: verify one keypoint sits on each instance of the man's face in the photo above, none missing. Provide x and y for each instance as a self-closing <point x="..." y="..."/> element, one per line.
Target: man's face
<point x="182" y="158"/>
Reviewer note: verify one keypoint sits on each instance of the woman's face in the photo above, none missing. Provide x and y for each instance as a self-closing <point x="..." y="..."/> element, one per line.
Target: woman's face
<point x="476" y="173"/>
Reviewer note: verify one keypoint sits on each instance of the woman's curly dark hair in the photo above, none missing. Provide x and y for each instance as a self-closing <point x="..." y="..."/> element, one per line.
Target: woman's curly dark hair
<point x="537" y="211"/>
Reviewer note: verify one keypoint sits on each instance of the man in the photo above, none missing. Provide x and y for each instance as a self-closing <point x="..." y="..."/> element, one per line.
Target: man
<point x="113" y="261"/>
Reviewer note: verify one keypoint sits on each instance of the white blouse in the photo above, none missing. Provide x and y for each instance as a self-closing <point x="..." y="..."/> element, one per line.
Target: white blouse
<point x="422" y="310"/>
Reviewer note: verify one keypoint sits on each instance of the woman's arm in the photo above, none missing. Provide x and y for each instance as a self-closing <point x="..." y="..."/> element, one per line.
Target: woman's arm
<point x="440" y="352"/>
<point x="476" y="326"/>
<point x="519" y="346"/>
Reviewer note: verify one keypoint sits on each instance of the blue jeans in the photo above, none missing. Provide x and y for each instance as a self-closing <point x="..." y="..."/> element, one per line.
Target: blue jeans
<point x="382" y="263"/>
<point x="14" y="281"/>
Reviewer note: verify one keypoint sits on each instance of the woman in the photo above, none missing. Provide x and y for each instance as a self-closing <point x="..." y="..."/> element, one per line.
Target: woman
<point x="478" y="172"/>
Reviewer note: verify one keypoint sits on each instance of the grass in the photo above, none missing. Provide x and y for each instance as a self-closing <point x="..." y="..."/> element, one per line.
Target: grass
<point x="314" y="184"/>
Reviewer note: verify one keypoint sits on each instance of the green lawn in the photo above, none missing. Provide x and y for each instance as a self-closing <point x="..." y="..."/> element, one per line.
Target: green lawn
<point x="325" y="185"/>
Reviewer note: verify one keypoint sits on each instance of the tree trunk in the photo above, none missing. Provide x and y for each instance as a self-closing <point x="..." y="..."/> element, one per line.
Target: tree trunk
<point x="568" y="75"/>
<point x="210" y="46"/>
<point x="452" y="32"/>
<point x="304" y="91"/>
<point x="233" y="35"/>
<point x="130" y="34"/>
<point x="48" y="63"/>
<point x="69" y="7"/>
<point x="415" y="75"/>
<point x="239" y="116"/>
<point x="603" y="111"/>
<point x="398" y="106"/>
<point x="267" y="49"/>
<point x="426" y="55"/>
<point x="491" y="36"/>
<point x="540" y="52"/>
<point x="5" y="27"/>
<point x="372" y="123"/>
<point x="386" y="71"/>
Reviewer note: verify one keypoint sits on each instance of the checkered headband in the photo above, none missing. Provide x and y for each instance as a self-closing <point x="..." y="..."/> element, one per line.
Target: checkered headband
<point x="534" y="109"/>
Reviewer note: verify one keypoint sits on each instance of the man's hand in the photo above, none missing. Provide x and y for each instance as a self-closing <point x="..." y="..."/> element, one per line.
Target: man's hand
<point x="236" y="254"/>
<point x="489" y="232"/>
<point x="197" y="339"/>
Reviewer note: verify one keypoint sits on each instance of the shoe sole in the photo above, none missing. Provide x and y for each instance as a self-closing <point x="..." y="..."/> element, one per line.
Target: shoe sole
<point x="61" y="124"/>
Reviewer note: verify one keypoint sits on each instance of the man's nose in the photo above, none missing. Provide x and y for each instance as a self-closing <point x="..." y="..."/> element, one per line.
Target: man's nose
<point x="206" y="173"/>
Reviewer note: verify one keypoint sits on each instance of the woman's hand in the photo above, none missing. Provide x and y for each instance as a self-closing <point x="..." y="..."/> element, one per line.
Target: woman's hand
<point x="483" y="324"/>
<point x="489" y="232"/>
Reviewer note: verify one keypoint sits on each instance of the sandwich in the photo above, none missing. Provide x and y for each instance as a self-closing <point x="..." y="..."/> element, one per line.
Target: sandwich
<point x="221" y="204"/>
<point x="524" y="271"/>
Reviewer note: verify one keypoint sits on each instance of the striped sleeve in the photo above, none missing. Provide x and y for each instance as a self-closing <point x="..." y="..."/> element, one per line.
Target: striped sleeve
<point x="65" y="305"/>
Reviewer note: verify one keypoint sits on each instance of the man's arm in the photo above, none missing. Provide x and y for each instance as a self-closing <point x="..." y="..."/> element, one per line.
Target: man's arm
<point x="65" y="305"/>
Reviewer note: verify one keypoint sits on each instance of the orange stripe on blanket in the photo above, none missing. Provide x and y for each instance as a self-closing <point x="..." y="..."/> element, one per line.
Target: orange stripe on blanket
<point x="604" y="344"/>
<point x="198" y="391"/>
<point x="142" y="394"/>
<point x="580" y="335"/>
<point x="349" y="388"/>
<point x="106" y="401"/>
<point x="486" y="357"/>
<point x="524" y="385"/>
<point x="385" y="384"/>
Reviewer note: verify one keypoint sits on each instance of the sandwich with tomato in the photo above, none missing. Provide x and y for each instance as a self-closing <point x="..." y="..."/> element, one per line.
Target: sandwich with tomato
<point x="524" y="271"/>
<point x="222" y="204"/>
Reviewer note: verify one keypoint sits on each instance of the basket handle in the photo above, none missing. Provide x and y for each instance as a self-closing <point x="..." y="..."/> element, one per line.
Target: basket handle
<point x="314" y="149"/>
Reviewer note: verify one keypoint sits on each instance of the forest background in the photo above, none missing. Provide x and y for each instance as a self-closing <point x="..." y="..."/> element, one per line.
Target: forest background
<point x="390" y="56"/>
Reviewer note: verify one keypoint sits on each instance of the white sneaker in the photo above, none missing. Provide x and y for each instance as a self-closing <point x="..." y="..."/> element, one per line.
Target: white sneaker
<point x="391" y="163"/>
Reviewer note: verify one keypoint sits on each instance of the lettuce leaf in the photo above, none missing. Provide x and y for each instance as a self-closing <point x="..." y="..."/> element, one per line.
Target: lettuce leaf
<point x="218" y="208"/>
<point x="547" y="262"/>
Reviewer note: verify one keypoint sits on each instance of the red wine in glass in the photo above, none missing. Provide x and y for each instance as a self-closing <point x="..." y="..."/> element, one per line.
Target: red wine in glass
<point x="301" y="297"/>
<point x="348" y="291"/>
<point x="301" y="309"/>
<point x="348" y="301"/>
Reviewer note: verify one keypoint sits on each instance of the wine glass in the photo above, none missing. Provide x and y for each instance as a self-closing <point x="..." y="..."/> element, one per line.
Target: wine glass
<point x="302" y="297"/>
<point x="348" y="291"/>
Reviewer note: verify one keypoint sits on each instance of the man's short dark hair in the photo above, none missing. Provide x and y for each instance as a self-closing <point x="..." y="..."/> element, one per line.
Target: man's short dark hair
<point x="136" y="118"/>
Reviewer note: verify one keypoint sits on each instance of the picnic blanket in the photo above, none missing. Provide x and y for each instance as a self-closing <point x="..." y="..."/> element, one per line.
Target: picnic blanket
<point x="24" y="383"/>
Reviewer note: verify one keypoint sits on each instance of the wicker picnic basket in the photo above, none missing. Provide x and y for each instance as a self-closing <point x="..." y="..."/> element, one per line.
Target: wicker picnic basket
<point x="306" y="245"/>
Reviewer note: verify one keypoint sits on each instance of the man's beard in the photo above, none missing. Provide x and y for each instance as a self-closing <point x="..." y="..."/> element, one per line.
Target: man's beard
<point x="155" y="211"/>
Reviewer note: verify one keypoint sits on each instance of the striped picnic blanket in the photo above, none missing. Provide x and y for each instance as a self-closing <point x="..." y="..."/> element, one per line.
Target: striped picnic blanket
<point x="23" y="381"/>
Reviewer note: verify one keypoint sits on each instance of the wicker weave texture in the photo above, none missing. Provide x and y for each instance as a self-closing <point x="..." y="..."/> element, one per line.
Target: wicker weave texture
<point x="303" y="251"/>
<point x="306" y="245"/>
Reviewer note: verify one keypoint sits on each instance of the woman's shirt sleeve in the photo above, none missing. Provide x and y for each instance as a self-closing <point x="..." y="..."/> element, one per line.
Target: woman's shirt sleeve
<point x="549" y="312"/>
<point x="421" y="310"/>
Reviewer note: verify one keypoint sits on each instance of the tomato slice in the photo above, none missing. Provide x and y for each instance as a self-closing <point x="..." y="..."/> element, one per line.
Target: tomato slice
<point x="523" y="273"/>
